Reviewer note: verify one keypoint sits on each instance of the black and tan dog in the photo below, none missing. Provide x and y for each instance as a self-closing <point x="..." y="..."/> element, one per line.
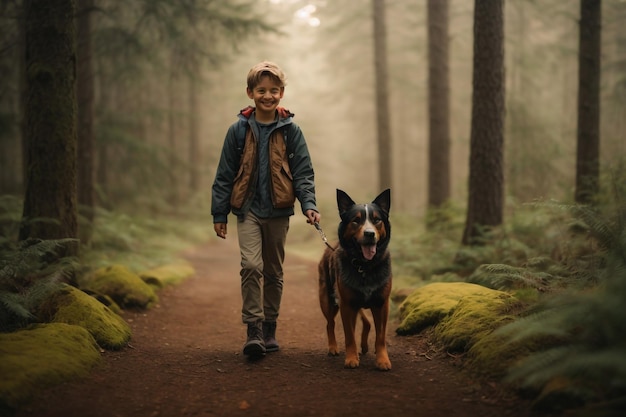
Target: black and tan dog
<point x="356" y="275"/>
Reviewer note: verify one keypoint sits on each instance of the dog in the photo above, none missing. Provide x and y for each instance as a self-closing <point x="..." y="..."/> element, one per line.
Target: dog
<point x="355" y="275"/>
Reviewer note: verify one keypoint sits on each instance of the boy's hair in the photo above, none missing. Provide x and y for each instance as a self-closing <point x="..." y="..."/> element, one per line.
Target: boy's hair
<point x="266" y="68"/>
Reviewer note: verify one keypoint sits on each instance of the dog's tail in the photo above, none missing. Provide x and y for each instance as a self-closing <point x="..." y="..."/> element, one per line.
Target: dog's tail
<point x="327" y="276"/>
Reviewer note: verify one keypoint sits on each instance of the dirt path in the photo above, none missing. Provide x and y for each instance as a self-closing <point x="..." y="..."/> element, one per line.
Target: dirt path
<point x="185" y="360"/>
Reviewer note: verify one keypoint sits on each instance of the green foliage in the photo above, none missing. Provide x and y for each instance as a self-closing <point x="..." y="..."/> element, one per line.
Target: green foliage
<point x="10" y="217"/>
<point x="532" y="233"/>
<point x="141" y="241"/>
<point x="30" y="270"/>
<point x="28" y="274"/>
<point x="589" y="325"/>
<point x="506" y="277"/>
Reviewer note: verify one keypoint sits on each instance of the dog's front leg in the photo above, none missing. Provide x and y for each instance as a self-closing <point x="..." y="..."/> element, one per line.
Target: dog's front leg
<point x="380" y="322"/>
<point x="365" y="332"/>
<point x="348" y="318"/>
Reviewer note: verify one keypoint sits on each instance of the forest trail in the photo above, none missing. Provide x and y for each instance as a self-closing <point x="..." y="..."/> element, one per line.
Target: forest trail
<point x="185" y="360"/>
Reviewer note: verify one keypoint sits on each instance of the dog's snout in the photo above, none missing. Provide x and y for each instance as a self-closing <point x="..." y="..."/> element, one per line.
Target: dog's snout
<point x="369" y="234"/>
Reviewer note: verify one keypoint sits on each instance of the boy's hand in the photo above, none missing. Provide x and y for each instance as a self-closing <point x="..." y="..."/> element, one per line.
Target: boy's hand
<point x="312" y="216"/>
<point x="220" y="230"/>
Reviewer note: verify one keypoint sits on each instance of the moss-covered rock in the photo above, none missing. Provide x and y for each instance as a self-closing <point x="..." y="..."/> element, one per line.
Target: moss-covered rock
<point x="464" y="317"/>
<point x="167" y="274"/>
<point x="474" y="316"/>
<point x="43" y="356"/>
<point x="492" y="355"/>
<point x="429" y="304"/>
<point x="72" y="306"/>
<point x="125" y="287"/>
<point x="106" y="300"/>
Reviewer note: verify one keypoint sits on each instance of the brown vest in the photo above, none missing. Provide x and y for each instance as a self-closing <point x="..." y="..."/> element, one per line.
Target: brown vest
<point x="283" y="195"/>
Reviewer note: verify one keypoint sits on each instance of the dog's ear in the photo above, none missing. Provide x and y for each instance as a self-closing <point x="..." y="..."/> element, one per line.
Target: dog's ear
<point x="384" y="200"/>
<point x="344" y="202"/>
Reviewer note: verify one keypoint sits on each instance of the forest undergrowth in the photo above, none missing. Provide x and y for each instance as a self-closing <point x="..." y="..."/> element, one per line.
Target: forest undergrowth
<point x="566" y="263"/>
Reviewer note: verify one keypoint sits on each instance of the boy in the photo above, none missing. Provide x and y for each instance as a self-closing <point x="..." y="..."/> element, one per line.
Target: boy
<point x="258" y="179"/>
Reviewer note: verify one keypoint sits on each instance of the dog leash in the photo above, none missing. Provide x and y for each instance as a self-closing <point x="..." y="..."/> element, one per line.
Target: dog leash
<point x="322" y="234"/>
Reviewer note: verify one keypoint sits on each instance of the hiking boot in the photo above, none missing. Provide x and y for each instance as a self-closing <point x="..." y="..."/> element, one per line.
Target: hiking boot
<point x="269" y="336"/>
<point x="254" y="345"/>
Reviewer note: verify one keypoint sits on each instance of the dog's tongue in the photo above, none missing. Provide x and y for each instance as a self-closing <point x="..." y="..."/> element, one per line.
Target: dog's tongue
<point x="368" y="252"/>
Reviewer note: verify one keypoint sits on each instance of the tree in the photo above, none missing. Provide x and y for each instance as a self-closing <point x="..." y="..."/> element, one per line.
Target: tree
<point x="85" y="126"/>
<point x="50" y="122"/>
<point x="588" y="135"/>
<point x="438" y="104"/>
<point x="486" y="177"/>
<point x="382" y="96"/>
<point x="195" y="158"/>
<point x="11" y="35"/>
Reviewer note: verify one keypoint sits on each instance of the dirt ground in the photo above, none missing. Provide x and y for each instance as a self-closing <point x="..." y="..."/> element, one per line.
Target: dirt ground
<point x="185" y="360"/>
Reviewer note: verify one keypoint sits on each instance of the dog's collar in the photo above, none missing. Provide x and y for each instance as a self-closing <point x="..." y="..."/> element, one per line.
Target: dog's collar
<point x="358" y="265"/>
<point x="364" y="267"/>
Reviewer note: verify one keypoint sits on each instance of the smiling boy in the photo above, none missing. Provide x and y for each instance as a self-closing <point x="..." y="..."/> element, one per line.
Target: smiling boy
<point x="264" y="166"/>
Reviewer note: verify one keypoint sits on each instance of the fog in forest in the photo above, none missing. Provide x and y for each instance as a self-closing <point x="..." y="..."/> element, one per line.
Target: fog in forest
<point x="113" y="115"/>
<point x="330" y="67"/>
<point x="149" y="57"/>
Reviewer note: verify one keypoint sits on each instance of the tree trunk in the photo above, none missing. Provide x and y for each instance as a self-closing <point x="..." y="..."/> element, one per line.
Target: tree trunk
<point x="22" y="98"/>
<point x="486" y="178"/>
<point x="173" y="195"/>
<point x="107" y="99"/>
<point x="50" y="117"/>
<point x="85" y="99"/>
<point x="382" y="96"/>
<point x="194" y="140"/>
<point x="438" y="104"/>
<point x="588" y="140"/>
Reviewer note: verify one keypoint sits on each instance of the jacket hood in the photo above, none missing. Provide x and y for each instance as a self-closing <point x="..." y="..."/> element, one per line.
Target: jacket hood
<point x="283" y="113"/>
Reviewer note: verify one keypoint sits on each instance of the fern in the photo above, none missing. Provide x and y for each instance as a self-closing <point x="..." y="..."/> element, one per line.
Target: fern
<point x="29" y="272"/>
<point x="505" y="277"/>
<point x="13" y="313"/>
<point x="583" y="332"/>
<point x="27" y="259"/>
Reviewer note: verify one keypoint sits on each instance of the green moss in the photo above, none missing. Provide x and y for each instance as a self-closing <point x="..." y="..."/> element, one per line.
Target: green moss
<point x="464" y="317"/>
<point x="427" y="305"/>
<point x="43" y="356"/>
<point x="475" y="316"/>
<point x="167" y="274"/>
<point x="125" y="287"/>
<point x="493" y="355"/>
<point x="72" y="306"/>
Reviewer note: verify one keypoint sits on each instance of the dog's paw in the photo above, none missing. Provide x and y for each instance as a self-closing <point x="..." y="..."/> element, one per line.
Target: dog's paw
<point x="351" y="363"/>
<point x="333" y="352"/>
<point x="383" y="365"/>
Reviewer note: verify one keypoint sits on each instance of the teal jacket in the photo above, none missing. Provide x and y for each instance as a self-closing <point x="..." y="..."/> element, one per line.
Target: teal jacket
<point x="298" y="158"/>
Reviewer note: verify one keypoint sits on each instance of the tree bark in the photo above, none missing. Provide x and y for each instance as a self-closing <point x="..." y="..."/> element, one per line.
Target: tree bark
<point x="173" y="193"/>
<point x="50" y="117"/>
<point x="588" y="132"/>
<point x="382" y="96"/>
<point x="486" y="178"/>
<point x="194" y="139"/>
<point x="85" y="99"/>
<point x="438" y="104"/>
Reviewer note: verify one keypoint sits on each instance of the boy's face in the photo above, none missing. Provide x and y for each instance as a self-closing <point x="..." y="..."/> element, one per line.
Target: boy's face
<point x="266" y="95"/>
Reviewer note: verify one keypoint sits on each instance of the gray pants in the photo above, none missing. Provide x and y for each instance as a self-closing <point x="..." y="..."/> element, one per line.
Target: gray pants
<point x="262" y="247"/>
